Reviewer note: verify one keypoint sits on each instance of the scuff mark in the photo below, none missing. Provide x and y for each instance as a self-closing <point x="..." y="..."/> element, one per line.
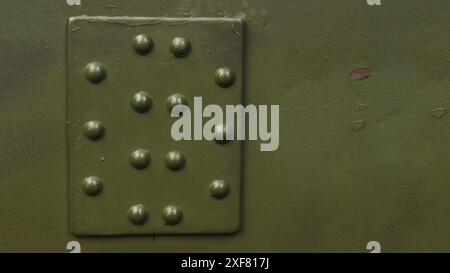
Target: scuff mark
<point x="357" y="125"/>
<point x="210" y="45"/>
<point x="439" y="112"/>
<point x="235" y="31"/>
<point x="161" y="31"/>
<point x="112" y="7"/>
<point x="164" y="63"/>
<point x="75" y="28"/>
<point x="79" y="145"/>
<point x="360" y="73"/>
<point x="362" y="106"/>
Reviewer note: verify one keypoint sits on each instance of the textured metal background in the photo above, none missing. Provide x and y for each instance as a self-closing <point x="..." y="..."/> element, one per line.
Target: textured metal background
<point x="328" y="188"/>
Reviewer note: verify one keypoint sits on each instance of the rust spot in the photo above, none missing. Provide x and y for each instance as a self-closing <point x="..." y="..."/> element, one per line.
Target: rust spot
<point x="360" y="73"/>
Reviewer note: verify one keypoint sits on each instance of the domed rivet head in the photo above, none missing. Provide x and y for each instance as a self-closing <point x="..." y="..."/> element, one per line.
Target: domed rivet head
<point x="172" y="215"/>
<point x="142" y="44"/>
<point x="224" y="77"/>
<point x="92" y="185"/>
<point x="93" y="129"/>
<point x="219" y="189"/>
<point x="175" y="99"/>
<point x="221" y="134"/>
<point x="140" y="158"/>
<point x="141" y="102"/>
<point x="94" y="72"/>
<point x="175" y="160"/>
<point x="180" y="47"/>
<point x="137" y="214"/>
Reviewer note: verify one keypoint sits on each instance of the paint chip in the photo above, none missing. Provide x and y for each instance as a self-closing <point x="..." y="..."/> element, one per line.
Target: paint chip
<point x="361" y="73"/>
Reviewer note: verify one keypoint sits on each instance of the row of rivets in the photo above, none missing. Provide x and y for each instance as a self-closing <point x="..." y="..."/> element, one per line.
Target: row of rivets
<point x="143" y="44"/>
<point x="141" y="103"/>
<point x="95" y="73"/>
<point x="138" y="214"/>
<point x="140" y="159"/>
<point x="94" y="130"/>
<point x="93" y="185"/>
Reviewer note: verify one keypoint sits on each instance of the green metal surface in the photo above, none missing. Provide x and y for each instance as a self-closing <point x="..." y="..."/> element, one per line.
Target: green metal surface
<point x="359" y="160"/>
<point x="169" y="172"/>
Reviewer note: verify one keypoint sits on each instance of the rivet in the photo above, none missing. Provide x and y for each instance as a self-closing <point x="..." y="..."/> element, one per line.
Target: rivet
<point x="92" y="185"/>
<point x="221" y="134"/>
<point x="175" y="160"/>
<point x="439" y="112"/>
<point x="175" y="99"/>
<point x="142" y="44"/>
<point x="94" y="72"/>
<point x="172" y="215"/>
<point x="219" y="188"/>
<point x="224" y="77"/>
<point x="140" y="158"/>
<point x="93" y="129"/>
<point x="357" y="125"/>
<point x="180" y="47"/>
<point x="137" y="214"/>
<point x="141" y="102"/>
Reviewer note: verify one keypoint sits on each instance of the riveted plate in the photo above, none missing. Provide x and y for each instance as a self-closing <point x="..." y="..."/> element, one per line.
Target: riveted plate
<point x="107" y="42"/>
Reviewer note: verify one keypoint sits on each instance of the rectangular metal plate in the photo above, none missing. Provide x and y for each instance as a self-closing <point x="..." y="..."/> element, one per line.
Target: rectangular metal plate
<point x="109" y="41"/>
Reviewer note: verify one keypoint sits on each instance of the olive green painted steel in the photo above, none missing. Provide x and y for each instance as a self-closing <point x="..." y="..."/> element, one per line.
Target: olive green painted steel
<point x="214" y="43"/>
<point x="329" y="187"/>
